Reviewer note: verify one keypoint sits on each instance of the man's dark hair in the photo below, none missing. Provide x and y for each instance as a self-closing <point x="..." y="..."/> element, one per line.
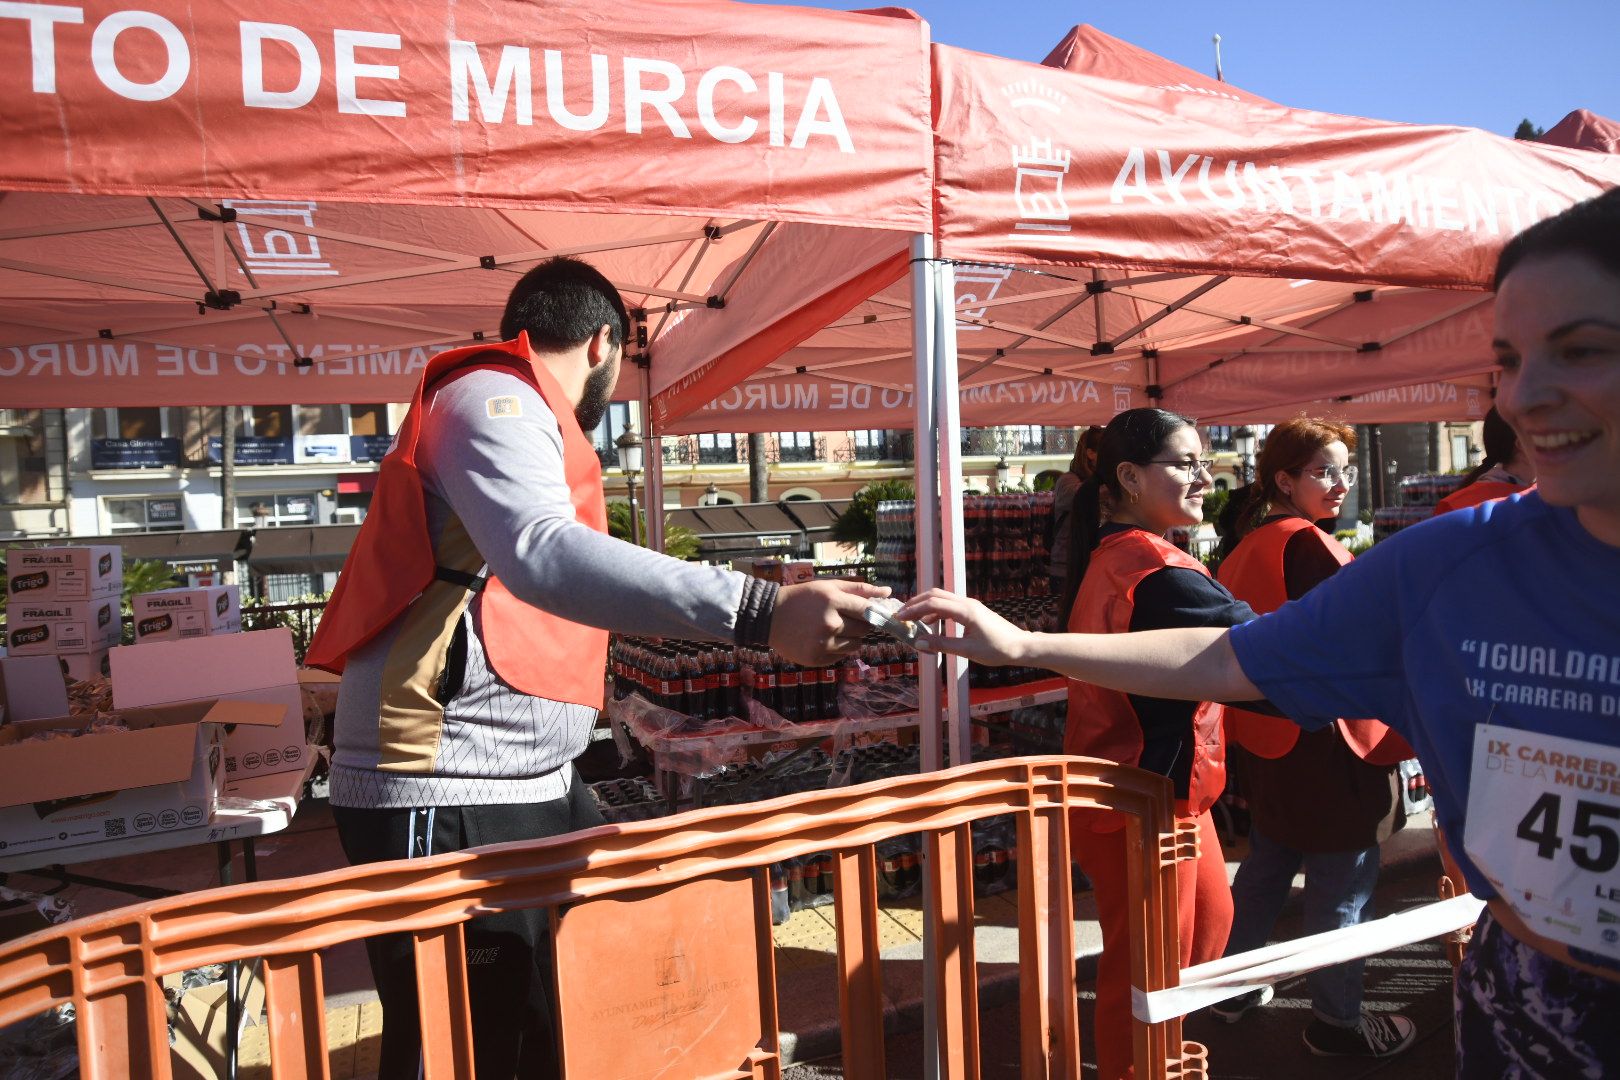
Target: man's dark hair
<point x="562" y="303"/>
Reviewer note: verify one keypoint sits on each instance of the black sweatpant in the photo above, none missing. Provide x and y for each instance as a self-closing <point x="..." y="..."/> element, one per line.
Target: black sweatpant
<point x="509" y="961"/>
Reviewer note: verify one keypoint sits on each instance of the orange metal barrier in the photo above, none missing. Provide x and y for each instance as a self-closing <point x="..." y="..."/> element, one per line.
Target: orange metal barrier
<point x="678" y="910"/>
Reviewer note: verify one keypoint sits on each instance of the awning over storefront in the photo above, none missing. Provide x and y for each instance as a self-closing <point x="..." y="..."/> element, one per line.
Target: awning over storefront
<point x="301" y="549"/>
<point x="742" y="529"/>
<point x="208" y="551"/>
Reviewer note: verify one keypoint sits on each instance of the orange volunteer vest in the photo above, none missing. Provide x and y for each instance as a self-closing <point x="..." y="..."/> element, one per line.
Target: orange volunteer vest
<point x="1254" y="573"/>
<point x="1102" y="723"/>
<point x="1480" y="491"/>
<point x="392" y="560"/>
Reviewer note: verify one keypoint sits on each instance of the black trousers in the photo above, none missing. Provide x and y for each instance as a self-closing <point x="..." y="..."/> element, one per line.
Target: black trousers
<point x="509" y="960"/>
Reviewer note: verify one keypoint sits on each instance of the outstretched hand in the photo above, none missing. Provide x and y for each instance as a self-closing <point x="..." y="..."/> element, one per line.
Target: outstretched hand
<point x="820" y="622"/>
<point x="986" y="637"/>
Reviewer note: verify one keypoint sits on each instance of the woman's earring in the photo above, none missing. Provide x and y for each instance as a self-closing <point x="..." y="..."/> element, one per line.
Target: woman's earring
<point x="1134" y="497"/>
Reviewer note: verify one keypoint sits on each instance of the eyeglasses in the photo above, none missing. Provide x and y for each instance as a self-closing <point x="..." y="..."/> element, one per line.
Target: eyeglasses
<point x="1188" y="469"/>
<point x="1333" y="474"/>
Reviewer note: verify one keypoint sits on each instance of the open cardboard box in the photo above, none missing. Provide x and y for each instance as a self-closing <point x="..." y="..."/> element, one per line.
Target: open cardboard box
<point x="161" y="774"/>
<point x="255" y="666"/>
<point x="31" y="687"/>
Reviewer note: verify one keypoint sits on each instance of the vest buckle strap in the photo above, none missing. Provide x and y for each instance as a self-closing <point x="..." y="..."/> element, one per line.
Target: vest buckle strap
<point x="471" y="582"/>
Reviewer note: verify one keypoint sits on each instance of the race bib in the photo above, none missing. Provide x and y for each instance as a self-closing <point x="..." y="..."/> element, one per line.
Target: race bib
<point x="1544" y="828"/>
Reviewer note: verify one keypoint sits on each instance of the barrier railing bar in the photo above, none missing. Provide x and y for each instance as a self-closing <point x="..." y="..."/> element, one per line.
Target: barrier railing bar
<point x="110" y="965"/>
<point x="441" y="978"/>
<point x="860" y="990"/>
<point x="767" y="1061"/>
<point x="295" y="1004"/>
<point x="949" y="863"/>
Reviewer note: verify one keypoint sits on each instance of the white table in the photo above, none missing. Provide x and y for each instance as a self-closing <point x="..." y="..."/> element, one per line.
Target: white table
<point x="256" y="806"/>
<point x="248" y="809"/>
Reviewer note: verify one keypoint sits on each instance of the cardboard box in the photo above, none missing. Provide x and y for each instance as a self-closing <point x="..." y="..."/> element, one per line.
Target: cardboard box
<point x="172" y="614"/>
<point x="83" y="666"/>
<point x="37" y="627"/>
<point x="31" y="687"/>
<point x="256" y="666"/>
<point x="161" y="774"/>
<point x="64" y="573"/>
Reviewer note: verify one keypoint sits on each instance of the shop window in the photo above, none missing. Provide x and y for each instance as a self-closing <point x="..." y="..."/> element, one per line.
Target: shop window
<point x="606" y="434"/>
<point x="129" y="423"/>
<point x="368" y="420"/>
<point x="284" y="509"/>
<point x="161" y="513"/>
<point x="320" y="420"/>
<point x="797" y="445"/>
<point x="268" y="421"/>
<point x="717" y="449"/>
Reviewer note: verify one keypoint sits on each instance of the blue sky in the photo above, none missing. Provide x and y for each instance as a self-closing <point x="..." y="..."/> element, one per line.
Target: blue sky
<point x="1486" y="63"/>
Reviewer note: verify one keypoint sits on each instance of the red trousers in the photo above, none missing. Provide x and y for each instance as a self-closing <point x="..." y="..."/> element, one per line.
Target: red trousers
<point x="1205" y="918"/>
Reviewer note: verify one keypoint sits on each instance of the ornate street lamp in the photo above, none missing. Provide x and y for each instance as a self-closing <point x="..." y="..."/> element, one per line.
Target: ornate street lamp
<point x="629" y="448"/>
<point x="1243" y="441"/>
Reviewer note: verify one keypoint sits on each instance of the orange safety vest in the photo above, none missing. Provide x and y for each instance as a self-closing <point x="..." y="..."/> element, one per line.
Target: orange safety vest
<point x="392" y="560"/>
<point x="1102" y="723"/>
<point x="1480" y="491"/>
<point x="1254" y="573"/>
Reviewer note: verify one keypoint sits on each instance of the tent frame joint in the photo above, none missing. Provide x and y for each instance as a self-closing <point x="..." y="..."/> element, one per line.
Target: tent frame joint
<point x="222" y="214"/>
<point x="219" y="300"/>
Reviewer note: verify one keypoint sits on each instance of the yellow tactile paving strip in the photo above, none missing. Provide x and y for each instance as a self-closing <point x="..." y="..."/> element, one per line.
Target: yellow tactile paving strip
<point x="807" y="940"/>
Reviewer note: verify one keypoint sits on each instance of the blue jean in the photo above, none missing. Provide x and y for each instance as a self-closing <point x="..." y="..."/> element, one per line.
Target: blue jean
<point x="1338" y="886"/>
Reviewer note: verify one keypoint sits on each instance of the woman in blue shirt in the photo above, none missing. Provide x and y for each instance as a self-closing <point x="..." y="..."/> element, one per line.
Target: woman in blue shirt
<point x="1490" y="639"/>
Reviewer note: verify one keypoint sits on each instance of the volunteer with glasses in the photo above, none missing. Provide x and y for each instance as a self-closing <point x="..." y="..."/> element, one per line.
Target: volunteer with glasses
<point x="1323" y="799"/>
<point x="1490" y="639"/>
<point x="1123" y="575"/>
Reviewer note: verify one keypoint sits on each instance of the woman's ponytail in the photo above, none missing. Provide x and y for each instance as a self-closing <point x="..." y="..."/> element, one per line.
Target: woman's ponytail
<point x="1085" y="522"/>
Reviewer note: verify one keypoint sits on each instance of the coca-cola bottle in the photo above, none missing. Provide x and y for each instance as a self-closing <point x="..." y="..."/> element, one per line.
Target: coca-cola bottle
<point x="788" y="679"/>
<point x="767" y="691"/>
<point x="829" y="693"/>
<point x="730" y="691"/>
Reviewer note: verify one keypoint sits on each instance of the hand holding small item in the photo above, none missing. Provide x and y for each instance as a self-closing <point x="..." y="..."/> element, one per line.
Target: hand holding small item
<point x="986" y="637"/>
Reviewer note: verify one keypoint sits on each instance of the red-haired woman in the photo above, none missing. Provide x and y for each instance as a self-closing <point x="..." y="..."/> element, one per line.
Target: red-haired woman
<point x="1322" y="799"/>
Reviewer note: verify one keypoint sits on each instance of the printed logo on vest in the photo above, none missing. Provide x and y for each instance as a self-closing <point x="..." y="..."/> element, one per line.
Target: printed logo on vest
<point x="506" y="405"/>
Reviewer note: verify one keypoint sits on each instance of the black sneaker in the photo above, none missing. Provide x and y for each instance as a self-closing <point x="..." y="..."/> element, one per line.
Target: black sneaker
<point x="1378" y="1035"/>
<point x="1231" y="1010"/>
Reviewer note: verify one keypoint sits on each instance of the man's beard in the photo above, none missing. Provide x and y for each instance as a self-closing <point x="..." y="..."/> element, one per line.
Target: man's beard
<point x="593" y="404"/>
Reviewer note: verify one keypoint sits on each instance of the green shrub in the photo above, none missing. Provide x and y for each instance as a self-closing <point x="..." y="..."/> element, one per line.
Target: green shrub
<point x="679" y="541"/>
<point x="858" y="524"/>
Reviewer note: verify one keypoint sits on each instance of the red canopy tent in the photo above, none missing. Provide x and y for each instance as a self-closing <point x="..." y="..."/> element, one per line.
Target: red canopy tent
<point x="1129" y="231"/>
<point x="1585" y="130"/>
<point x="237" y="205"/>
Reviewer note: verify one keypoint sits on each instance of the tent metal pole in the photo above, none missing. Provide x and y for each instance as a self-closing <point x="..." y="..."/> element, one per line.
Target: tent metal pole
<point x="948" y="410"/>
<point x="925" y="386"/>
<point x="652" y="449"/>
<point x="923" y="294"/>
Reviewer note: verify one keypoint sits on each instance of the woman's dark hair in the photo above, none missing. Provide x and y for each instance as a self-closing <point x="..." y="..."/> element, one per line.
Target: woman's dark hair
<point x="1590" y="229"/>
<point x="562" y="303"/>
<point x="1289" y="448"/>
<point x="1501" y="444"/>
<point x="1089" y="439"/>
<point x="1136" y="436"/>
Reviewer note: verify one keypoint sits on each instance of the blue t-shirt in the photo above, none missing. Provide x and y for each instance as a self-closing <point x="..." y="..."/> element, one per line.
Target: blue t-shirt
<point x="1507" y="613"/>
